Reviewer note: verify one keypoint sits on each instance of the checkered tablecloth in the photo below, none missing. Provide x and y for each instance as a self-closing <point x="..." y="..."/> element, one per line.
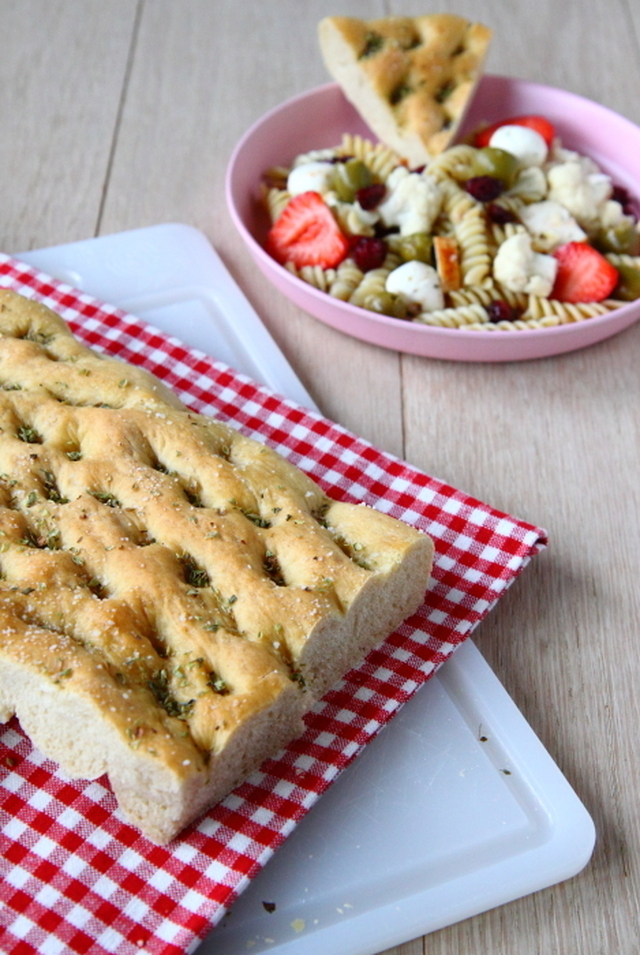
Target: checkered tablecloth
<point x="76" y="878"/>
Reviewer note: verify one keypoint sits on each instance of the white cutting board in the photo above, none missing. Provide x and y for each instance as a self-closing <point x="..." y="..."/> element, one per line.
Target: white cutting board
<point x="456" y="807"/>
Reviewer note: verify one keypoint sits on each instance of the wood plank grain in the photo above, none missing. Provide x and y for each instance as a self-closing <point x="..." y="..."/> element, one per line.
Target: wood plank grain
<point x="556" y="442"/>
<point x="61" y="79"/>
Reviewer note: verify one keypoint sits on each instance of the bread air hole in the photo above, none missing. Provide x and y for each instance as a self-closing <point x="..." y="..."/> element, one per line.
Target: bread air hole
<point x="445" y="91"/>
<point x="98" y="588"/>
<point x="412" y="43"/>
<point x="27" y="433"/>
<point x="373" y="43"/>
<point x="160" y="686"/>
<point x="354" y="550"/>
<point x="194" y="575"/>
<point x="192" y="496"/>
<point x="42" y="541"/>
<point x="39" y="337"/>
<point x="106" y="498"/>
<point x="400" y="93"/>
<point x="273" y="570"/>
<point x="191" y="492"/>
<point x="50" y="489"/>
<point x="78" y="403"/>
<point x="256" y="519"/>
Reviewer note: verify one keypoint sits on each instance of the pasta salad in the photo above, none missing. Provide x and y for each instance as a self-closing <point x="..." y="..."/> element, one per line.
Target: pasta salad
<point x="507" y="231"/>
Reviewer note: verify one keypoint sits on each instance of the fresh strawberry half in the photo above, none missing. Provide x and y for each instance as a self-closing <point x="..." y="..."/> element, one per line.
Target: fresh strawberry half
<point x="306" y="233"/>
<point x="537" y="123"/>
<point x="584" y="275"/>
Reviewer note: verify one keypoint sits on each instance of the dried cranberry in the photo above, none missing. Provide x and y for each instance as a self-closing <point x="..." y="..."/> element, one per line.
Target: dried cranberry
<point x="384" y="230"/>
<point x="621" y="195"/>
<point x="371" y="196"/>
<point x="369" y="253"/>
<point x="500" y="311"/>
<point x="484" y="188"/>
<point x="499" y="214"/>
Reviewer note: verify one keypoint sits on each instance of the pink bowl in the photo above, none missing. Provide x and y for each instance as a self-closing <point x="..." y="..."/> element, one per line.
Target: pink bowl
<point x="319" y="117"/>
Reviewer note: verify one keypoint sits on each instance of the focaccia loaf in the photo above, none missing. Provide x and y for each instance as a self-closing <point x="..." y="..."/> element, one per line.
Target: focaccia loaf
<point x="410" y="78"/>
<point x="173" y="595"/>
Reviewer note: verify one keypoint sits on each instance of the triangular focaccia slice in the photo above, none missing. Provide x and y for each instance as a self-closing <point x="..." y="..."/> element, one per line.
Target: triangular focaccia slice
<point x="410" y="78"/>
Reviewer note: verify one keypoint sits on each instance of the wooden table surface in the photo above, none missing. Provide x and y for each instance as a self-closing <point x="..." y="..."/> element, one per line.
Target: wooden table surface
<point x="123" y="114"/>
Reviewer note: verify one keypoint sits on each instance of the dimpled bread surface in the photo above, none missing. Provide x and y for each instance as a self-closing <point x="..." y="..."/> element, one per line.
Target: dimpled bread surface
<point x="410" y="78"/>
<point x="174" y="595"/>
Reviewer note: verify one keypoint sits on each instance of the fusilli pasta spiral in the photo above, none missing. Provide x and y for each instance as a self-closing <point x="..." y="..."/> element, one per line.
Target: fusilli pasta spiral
<point x="463" y="315"/>
<point x="471" y="231"/>
<point x="379" y="159"/>
<point x="347" y="279"/>
<point x="566" y="312"/>
<point x="454" y="163"/>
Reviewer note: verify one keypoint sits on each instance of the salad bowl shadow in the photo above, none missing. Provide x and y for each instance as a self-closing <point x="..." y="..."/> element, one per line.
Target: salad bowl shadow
<point x="318" y="118"/>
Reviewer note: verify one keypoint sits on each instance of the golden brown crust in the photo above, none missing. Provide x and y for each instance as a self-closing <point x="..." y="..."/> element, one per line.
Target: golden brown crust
<point x="174" y="595"/>
<point x="411" y="78"/>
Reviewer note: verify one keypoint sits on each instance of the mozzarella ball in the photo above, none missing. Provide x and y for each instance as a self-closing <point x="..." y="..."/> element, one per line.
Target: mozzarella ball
<point x="310" y="177"/>
<point x="417" y="282"/>
<point x="528" y="146"/>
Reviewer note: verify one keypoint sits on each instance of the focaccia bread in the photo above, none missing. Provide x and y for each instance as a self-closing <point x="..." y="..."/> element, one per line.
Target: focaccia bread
<point x="173" y="595"/>
<point x="410" y="78"/>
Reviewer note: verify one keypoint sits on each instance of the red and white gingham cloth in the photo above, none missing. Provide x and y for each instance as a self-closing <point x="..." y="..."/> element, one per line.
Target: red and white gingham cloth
<point x="76" y="878"/>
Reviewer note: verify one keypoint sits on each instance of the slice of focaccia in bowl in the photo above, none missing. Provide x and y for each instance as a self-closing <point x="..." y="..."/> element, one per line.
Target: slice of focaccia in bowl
<point x="410" y="78"/>
<point x="174" y="595"/>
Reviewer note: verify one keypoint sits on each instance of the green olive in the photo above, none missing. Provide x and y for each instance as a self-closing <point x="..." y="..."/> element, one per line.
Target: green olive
<point x="622" y="238"/>
<point x="628" y="287"/>
<point x="350" y="176"/>
<point x="384" y="304"/>
<point x="418" y="246"/>
<point x="497" y="163"/>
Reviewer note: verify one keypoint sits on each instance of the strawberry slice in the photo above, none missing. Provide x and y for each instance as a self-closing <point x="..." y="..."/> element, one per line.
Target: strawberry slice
<point x="306" y="233"/>
<point x="584" y="275"/>
<point x="537" y="123"/>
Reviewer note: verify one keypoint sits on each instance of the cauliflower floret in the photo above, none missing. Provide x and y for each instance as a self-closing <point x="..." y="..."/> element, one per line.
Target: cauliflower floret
<point x="518" y="268"/>
<point x="551" y="225"/>
<point x="418" y="283"/>
<point x="412" y="203"/>
<point x="581" y="190"/>
<point x="612" y="214"/>
<point x="559" y="153"/>
<point x="531" y="184"/>
<point x="352" y="217"/>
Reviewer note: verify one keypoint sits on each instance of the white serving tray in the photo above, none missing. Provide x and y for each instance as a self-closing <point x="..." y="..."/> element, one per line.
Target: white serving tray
<point x="456" y="807"/>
